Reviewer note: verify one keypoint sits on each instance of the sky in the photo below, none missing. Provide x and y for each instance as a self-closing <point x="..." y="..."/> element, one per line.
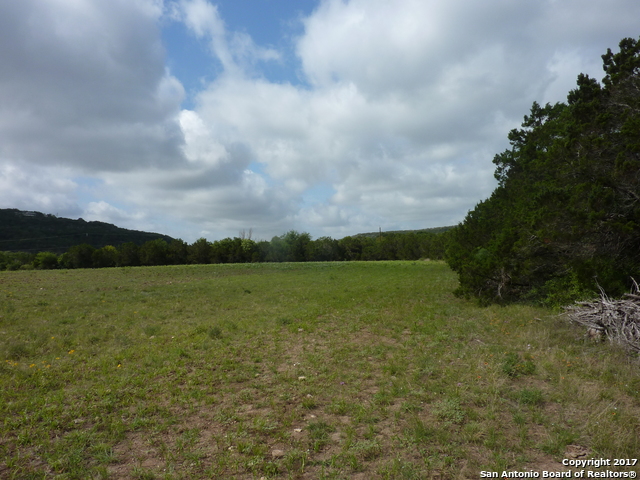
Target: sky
<point x="203" y="118"/>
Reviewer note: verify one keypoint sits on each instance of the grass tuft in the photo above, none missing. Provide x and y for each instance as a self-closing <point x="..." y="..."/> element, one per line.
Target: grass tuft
<point x="515" y="365"/>
<point x="215" y="333"/>
<point x="530" y="396"/>
<point x="449" y="410"/>
<point x="17" y="350"/>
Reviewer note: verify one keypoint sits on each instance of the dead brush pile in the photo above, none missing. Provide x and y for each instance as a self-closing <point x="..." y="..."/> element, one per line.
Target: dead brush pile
<point x="617" y="320"/>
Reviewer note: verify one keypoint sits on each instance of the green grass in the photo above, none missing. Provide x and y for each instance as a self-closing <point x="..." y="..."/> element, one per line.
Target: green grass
<point x="318" y="370"/>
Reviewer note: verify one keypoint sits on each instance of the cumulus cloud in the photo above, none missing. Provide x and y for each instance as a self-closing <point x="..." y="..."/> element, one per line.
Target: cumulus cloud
<point x="84" y="84"/>
<point x="407" y="102"/>
<point x="220" y="209"/>
<point x="105" y="212"/>
<point x="396" y="114"/>
<point x="44" y="189"/>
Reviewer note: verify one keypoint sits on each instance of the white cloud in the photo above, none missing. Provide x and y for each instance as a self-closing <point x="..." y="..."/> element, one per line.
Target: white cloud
<point x="236" y="51"/>
<point x="44" y="189"/>
<point x="402" y="108"/>
<point x="402" y="47"/>
<point x="200" y="198"/>
<point x="84" y="84"/>
<point x="200" y="142"/>
<point x="409" y="102"/>
<point x="104" y="212"/>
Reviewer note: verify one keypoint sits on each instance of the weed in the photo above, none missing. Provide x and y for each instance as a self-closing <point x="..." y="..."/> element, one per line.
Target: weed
<point x="449" y="410"/>
<point x="215" y="333"/>
<point x="319" y="433"/>
<point x="182" y="352"/>
<point x="309" y="403"/>
<point x="140" y="473"/>
<point x="230" y="325"/>
<point x="519" y="419"/>
<point x="558" y="440"/>
<point x="18" y="350"/>
<point x="531" y="396"/>
<point x="420" y="433"/>
<point x="401" y="469"/>
<point x="515" y="365"/>
<point x="295" y="460"/>
<point x="383" y="397"/>
<point x="270" y="468"/>
<point x="151" y="330"/>
<point x="367" y="449"/>
<point x="394" y="369"/>
<point x="340" y="407"/>
<point x="366" y="414"/>
<point x="410" y="407"/>
<point x="264" y="425"/>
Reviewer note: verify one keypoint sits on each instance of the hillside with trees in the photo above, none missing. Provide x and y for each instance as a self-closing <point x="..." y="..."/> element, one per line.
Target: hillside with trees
<point x="564" y="220"/>
<point x="27" y="231"/>
<point x="422" y="231"/>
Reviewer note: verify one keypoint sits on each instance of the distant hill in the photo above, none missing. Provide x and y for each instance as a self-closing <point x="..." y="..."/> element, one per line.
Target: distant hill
<point x="25" y="231"/>
<point x="400" y="232"/>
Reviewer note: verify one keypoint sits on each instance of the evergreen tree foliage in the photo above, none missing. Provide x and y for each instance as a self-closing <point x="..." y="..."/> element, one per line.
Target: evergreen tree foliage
<point x="178" y="252"/>
<point x="104" y="257"/>
<point x="565" y="217"/>
<point x="200" y="252"/>
<point x="128" y="255"/>
<point x="78" y="256"/>
<point x="154" y="252"/>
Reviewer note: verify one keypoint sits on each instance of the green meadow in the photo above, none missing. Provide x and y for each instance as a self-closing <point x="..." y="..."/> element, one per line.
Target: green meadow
<point x="296" y="370"/>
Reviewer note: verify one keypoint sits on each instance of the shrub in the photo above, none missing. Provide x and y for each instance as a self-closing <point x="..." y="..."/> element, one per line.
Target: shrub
<point x="45" y="261"/>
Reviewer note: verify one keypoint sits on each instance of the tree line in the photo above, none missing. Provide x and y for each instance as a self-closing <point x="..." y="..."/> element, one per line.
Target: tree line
<point x="293" y="246"/>
<point x="564" y="220"/>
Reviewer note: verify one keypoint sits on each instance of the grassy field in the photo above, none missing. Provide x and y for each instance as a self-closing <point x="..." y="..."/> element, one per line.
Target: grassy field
<point x="318" y="370"/>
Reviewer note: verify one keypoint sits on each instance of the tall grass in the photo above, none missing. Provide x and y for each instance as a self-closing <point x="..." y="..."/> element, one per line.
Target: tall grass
<point x="318" y="370"/>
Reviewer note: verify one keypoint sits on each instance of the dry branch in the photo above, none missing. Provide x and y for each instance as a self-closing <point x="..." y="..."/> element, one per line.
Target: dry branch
<point x="618" y="320"/>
